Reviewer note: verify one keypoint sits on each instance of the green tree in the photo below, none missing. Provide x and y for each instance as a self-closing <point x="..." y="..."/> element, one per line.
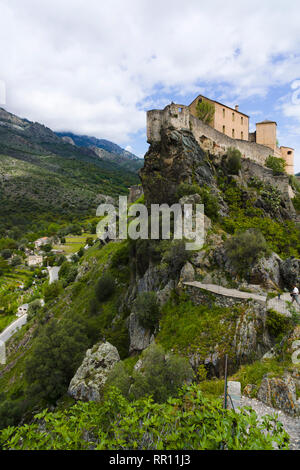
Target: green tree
<point x="57" y="354"/>
<point x="233" y="162"/>
<point x="147" y="308"/>
<point x="245" y="248"/>
<point x="276" y="164"/>
<point x="205" y="111"/>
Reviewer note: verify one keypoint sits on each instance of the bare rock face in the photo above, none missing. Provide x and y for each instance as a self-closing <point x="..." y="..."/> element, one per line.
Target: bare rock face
<point x="290" y="272"/>
<point x="266" y="271"/>
<point x="140" y="337"/>
<point x="89" y="380"/>
<point x="187" y="273"/>
<point x="176" y="159"/>
<point x="279" y="393"/>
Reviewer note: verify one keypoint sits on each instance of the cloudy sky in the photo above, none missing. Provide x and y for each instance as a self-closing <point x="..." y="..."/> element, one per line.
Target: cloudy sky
<point x="94" y="66"/>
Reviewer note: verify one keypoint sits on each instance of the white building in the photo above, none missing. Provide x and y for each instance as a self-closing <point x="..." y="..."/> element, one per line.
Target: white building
<point x="22" y="310"/>
<point x="35" y="260"/>
<point x="42" y="241"/>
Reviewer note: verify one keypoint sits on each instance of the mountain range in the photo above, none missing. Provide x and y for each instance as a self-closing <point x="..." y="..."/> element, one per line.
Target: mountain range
<point x="43" y="176"/>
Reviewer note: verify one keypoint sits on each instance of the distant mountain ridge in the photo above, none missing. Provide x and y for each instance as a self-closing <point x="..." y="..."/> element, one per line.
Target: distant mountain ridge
<point x="104" y="149"/>
<point x="42" y="176"/>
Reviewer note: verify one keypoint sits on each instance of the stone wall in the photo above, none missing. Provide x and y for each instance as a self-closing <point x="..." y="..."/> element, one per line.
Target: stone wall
<point x="179" y="117"/>
<point x="201" y="296"/>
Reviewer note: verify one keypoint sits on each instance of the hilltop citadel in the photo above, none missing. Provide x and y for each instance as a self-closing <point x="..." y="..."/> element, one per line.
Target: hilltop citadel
<point x="229" y="128"/>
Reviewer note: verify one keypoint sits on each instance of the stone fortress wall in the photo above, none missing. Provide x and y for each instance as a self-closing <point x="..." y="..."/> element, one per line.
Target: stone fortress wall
<point x="179" y="117"/>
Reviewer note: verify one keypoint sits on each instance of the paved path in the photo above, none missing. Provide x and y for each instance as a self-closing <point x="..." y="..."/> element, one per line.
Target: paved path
<point x="53" y="273"/>
<point x="291" y="425"/>
<point x="278" y="305"/>
<point x="13" y="327"/>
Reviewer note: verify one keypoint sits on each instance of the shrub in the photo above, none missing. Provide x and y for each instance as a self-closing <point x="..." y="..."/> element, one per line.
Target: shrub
<point x="205" y="111"/>
<point x="185" y="189"/>
<point x="56" y="355"/>
<point x="245" y="248"/>
<point x="211" y="204"/>
<point x="276" y="164"/>
<point x="68" y="272"/>
<point x="276" y="323"/>
<point x="33" y="308"/>
<point x="52" y="291"/>
<point x="233" y="162"/>
<point x="147" y="309"/>
<point x="6" y="253"/>
<point x="174" y="256"/>
<point x="16" y="261"/>
<point x="105" y="287"/>
<point x="160" y="375"/>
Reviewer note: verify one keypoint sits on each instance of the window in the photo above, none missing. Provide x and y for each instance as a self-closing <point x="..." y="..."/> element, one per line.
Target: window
<point x="242" y="120"/>
<point x="233" y="133"/>
<point x="223" y="112"/>
<point x="242" y="135"/>
<point x="223" y="129"/>
<point x="289" y="152"/>
<point x="180" y="110"/>
<point x="232" y="117"/>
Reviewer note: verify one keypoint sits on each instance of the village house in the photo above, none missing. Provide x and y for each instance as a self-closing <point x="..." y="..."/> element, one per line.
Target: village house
<point x="35" y="260"/>
<point x="22" y="310"/>
<point x="41" y="242"/>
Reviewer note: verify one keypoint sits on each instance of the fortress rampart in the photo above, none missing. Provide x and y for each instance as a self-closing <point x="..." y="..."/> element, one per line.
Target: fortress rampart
<point x="179" y="117"/>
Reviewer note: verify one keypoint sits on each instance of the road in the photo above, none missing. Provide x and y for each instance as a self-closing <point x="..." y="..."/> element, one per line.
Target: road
<point x="53" y="273"/>
<point x="13" y="327"/>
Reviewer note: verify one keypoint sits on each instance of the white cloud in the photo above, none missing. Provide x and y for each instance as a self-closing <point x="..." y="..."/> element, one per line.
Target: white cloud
<point x="92" y="67"/>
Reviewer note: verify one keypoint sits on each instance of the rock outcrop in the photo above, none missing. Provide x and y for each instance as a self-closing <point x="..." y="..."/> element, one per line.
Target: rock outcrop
<point x="140" y="338"/>
<point x="176" y="159"/>
<point x="280" y="393"/>
<point x="89" y="380"/>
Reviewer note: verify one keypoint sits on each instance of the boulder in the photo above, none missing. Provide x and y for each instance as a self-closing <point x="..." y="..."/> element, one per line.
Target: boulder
<point x="266" y="272"/>
<point x="89" y="380"/>
<point x="140" y="337"/>
<point x="187" y="273"/>
<point x="290" y="272"/>
<point x="280" y="393"/>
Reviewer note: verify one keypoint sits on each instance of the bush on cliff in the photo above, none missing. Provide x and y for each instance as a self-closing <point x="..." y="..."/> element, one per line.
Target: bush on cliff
<point x="160" y="375"/>
<point x="205" y="111"/>
<point x="147" y="309"/>
<point x="276" y="164"/>
<point x="105" y="287"/>
<point x="233" y="162"/>
<point x="245" y="248"/>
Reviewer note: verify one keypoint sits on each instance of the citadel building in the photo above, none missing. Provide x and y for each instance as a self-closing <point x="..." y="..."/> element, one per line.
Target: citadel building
<point x="229" y="128"/>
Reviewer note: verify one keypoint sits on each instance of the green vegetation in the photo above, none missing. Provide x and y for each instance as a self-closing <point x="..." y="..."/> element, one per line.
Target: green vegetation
<point x="187" y="328"/>
<point x="210" y="201"/>
<point x="233" y="161"/>
<point x="147" y="308"/>
<point x="205" y="111"/>
<point x="244" y="249"/>
<point x="276" y="164"/>
<point x="105" y="287"/>
<point x="281" y="237"/>
<point x="159" y="376"/>
<point x="147" y="425"/>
